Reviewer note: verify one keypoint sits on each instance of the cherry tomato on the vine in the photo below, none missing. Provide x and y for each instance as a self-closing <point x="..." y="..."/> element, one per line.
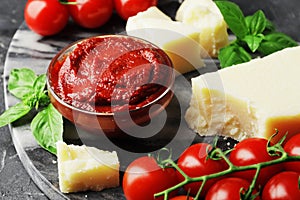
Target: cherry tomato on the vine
<point x="284" y="185"/>
<point x="292" y="147"/>
<point x="193" y="161"/>
<point x="46" y="17"/>
<point x="91" y="13"/>
<point x="252" y="151"/>
<point x="143" y="178"/>
<point x="229" y="189"/>
<point x="128" y="8"/>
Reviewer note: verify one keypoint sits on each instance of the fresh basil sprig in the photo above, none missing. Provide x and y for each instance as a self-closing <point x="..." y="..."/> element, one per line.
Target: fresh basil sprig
<point x="233" y="54"/>
<point x="234" y="18"/>
<point x="47" y="128"/>
<point x="14" y="113"/>
<point x="255" y="34"/>
<point x="47" y="125"/>
<point x="274" y="42"/>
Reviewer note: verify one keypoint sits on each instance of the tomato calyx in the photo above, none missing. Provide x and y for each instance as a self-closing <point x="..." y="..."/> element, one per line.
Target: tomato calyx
<point x="247" y="194"/>
<point x="276" y="149"/>
<point x="163" y="155"/>
<point x="214" y="154"/>
<point x="217" y="153"/>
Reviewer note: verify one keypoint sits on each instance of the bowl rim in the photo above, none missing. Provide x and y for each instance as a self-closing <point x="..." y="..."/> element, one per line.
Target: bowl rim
<point x="73" y="108"/>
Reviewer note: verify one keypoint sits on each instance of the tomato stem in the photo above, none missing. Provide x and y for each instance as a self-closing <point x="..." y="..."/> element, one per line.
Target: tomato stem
<point x="284" y="157"/>
<point x="201" y="188"/>
<point x="252" y="185"/>
<point x="186" y="179"/>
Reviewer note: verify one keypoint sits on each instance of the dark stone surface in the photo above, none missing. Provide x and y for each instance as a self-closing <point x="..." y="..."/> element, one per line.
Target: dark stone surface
<point x="15" y="183"/>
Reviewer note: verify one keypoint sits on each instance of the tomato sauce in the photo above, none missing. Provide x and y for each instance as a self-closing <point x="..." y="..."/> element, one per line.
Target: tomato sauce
<point x="108" y="74"/>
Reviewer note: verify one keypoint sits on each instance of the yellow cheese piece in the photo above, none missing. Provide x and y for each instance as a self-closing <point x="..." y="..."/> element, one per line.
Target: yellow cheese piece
<point x="250" y="99"/>
<point x="151" y="12"/>
<point x="206" y="17"/>
<point x="83" y="168"/>
<point x="180" y="41"/>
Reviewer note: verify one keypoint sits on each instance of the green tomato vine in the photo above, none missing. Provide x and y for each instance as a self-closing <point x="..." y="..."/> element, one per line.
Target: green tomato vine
<point x="216" y="153"/>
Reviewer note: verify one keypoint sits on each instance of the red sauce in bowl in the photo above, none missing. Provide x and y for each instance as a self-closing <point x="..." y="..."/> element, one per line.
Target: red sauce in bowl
<point x="111" y="73"/>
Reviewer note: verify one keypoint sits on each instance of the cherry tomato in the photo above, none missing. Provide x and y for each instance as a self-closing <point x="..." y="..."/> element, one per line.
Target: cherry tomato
<point x="182" y="197"/>
<point x="229" y="189"/>
<point x="46" y="17"/>
<point x="128" y="8"/>
<point x="143" y="178"/>
<point x="292" y="147"/>
<point x="193" y="161"/>
<point x="91" y="13"/>
<point x="252" y="151"/>
<point x="284" y="185"/>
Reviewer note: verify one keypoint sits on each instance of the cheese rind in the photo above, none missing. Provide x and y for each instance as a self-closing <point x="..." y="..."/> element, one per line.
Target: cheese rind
<point x="83" y="168"/>
<point x="206" y="17"/>
<point x="249" y="99"/>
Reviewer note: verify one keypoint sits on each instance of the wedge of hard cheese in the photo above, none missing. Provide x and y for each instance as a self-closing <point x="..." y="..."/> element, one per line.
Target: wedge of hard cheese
<point x="206" y="17"/>
<point x="250" y="99"/>
<point x="179" y="40"/>
<point x="151" y="12"/>
<point x="83" y="168"/>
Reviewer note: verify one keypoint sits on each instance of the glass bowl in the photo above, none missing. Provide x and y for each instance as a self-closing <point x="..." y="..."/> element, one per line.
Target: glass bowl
<point x="108" y="83"/>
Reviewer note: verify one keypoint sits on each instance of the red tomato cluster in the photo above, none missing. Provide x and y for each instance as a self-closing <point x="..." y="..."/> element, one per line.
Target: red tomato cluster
<point x="143" y="178"/>
<point x="48" y="17"/>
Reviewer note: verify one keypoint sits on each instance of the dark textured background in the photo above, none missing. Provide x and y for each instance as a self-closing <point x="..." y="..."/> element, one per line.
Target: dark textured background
<point x="14" y="181"/>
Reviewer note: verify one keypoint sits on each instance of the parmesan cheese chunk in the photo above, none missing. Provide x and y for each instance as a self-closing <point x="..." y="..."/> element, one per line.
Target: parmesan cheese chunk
<point x="83" y="168"/>
<point x="249" y="99"/>
<point x="152" y="12"/>
<point x="206" y="17"/>
<point x="180" y="41"/>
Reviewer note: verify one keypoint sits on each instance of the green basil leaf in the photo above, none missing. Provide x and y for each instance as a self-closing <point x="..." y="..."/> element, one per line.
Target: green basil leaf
<point x="253" y="41"/>
<point x="39" y="89"/>
<point x="39" y="84"/>
<point x="274" y="42"/>
<point x="14" y="113"/>
<point x="234" y="18"/>
<point x="30" y="99"/>
<point x="270" y="27"/>
<point x="232" y="55"/>
<point x="256" y="23"/>
<point x="47" y="128"/>
<point x="20" y="82"/>
<point x="44" y="99"/>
